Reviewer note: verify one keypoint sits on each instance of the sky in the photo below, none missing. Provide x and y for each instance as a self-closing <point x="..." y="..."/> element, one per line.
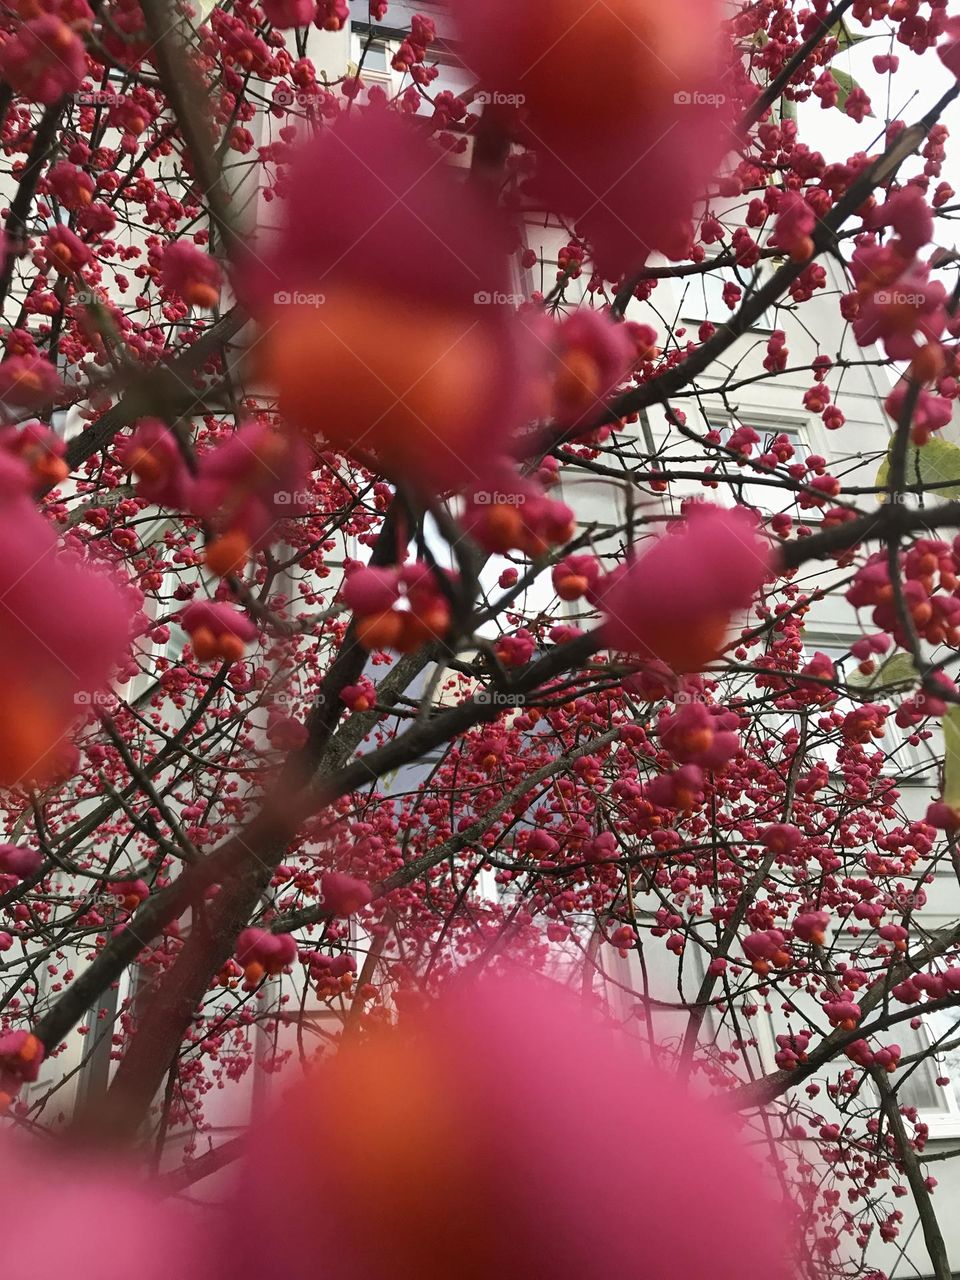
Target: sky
<point x="912" y="90"/>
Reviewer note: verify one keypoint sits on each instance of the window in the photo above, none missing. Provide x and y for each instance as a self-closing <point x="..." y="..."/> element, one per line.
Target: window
<point x="703" y="294"/>
<point x="902" y="759"/>
<point x="918" y="1087"/>
<point x="769" y="498"/>
<point x="375" y="57"/>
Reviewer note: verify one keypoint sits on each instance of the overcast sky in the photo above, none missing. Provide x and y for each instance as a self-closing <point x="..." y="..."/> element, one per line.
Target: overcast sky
<point x="915" y="87"/>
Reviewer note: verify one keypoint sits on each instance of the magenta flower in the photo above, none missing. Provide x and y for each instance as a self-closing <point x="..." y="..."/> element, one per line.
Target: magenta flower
<point x="43" y="60"/>
<point x="501" y="1091"/>
<point x="64" y="629"/>
<point x="189" y="273"/>
<point x="389" y="312"/>
<point x="676" y="601"/>
<point x="155" y="458"/>
<point x="343" y="894"/>
<point x="27" y="382"/>
<point x="217" y="630"/>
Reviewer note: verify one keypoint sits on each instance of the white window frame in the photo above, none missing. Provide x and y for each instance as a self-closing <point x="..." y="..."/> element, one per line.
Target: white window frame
<point x="697" y="304"/>
<point x="799" y="427"/>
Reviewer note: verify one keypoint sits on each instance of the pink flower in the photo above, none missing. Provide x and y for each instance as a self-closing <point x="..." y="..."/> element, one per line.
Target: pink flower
<point x="930" y="412"/>
<point x="40" y="449"/>
<point x="65" y="251"/>
<point x="681" y="789"/>
<point x="43" y="60"/>
<point x="27" y="381"/>
<point x="575" y="576"/>
<point x="361" y="696"/>
<point x="905" y="315"/>
<point x="289" y="13"/>
<point x="217" y="630"/>
<point x="765" y="948"/>
<point x="19" y="862"/>
<point x="129" y="893"/>
<point x="949" y="50"/>
<point x="506" y="511"/>
<point x="189" y="273"/>
<point x="842" y="1012"/>
<point x="72" y="187"/>
<point x="908" y="213"/>
<point x="245" y="487"/>
<point x="676" y="601"/>
<point x="155" y="458"/>
<point x="515" y="650"/>
<point x="132" y="114"/>
<point x="810" y="926"/>
<point x="390" y="330"/>
<point x="781" y="837"/>
<point x="64" y="628"/>
<point x="827" y="90"/>
<point x="264" y="954"/>
<point x="371" y="589"/>
<point x="285" y="733"/>
<point x="942" y="816"/>
<point x="593" y="355"/>
<point x="372" y="592"/>
<point x="858" y="105"/>
<point x="343" y="895"/>
<point x="501" y="1091"/>
<point x="817" y="397"/>
<point x="792" y="230"/>
<point x="21" y="1056"/>
<point x="653" y="105"/>
<point x="705" y="736"/>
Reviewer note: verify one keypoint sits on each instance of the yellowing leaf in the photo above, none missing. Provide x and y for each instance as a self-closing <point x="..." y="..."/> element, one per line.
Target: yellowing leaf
<point x="936" y="463"/>
<point x="898" y="669"/>
<point x="951" y="757"/>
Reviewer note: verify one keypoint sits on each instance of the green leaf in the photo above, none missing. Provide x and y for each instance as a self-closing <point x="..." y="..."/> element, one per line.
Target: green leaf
<point x="844" y="37"/>
<point x="788" y="109"/>
<point x="951" y="757"/>
<point x="935" y="463"/>
<point x="847" y="85"/>
<point x="898" y="669"/>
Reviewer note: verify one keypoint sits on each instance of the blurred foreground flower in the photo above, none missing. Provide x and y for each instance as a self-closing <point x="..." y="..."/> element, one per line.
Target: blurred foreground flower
<point x="106" y="1227"/>
<point x="476" y="1141"/>
<point x="635" y="74"/>
<point x="389" y="327"/>
<point x="676" y="601"/>
<point x="64" y="628"/>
